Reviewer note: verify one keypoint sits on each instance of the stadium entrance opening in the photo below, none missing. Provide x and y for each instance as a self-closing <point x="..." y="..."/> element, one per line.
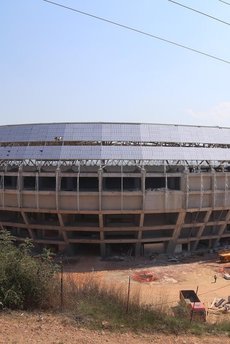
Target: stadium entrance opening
<point x="84" y="249"/>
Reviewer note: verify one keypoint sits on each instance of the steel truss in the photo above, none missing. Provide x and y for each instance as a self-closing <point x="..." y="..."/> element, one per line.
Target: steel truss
<point x="114" y="143"/>
<point x="187" y="164"/>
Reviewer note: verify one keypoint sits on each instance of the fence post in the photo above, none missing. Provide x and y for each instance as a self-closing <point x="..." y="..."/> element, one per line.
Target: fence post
<point x="128" y="296"/>
<point x="191" y="318"/>
<point x="61" y="286"/>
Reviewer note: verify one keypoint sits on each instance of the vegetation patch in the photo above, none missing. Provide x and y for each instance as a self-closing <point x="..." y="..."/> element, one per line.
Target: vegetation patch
<point x="97" y="306"/>
<point x="25" y="282"/>
<point x="33" y="283"/>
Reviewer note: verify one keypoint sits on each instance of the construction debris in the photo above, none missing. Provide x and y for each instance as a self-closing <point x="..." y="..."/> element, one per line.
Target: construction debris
<point x="221" y="304"/>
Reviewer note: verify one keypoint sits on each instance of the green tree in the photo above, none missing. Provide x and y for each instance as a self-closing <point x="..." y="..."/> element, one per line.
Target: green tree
<point x="25" y="282"/>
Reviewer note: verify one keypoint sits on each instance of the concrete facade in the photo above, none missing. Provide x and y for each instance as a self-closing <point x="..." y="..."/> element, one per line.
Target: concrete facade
<point x="196" y="214"/>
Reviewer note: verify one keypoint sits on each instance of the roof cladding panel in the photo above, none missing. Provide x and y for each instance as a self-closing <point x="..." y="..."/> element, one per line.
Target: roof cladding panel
<point x="83" y="132"/>
<point x="144" y="153"/>
<point x="114" y="152"/>
<point x="15" y="133"/>
<point x="30" y="152"/>
<point x="47" y="132"/>
<point x="114" y="132"/>
<point x="204" y="134"/>
<point x="121" y="132"/>
<point x="50" y="152"/>
<point x="31" y="132"/>
<point x="183" y="134"/>
<point x="42" y="152"/>
<point x="122" y="152"/>
<point x="16" y="153"/>
<point x="159" y="133"/>
<point x="186" y="153"/>
<point x="80" y="152"/>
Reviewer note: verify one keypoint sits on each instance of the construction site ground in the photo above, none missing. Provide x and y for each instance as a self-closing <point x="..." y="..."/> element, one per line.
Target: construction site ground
<point x="169" y="278"/>
<point x="193" y="272"/>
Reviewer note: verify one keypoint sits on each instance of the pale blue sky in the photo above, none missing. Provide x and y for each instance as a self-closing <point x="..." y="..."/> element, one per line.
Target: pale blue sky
<point x="60" y="66"/>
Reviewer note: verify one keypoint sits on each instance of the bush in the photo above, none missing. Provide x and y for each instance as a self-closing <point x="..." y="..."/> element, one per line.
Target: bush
<point x="25" y="282"/>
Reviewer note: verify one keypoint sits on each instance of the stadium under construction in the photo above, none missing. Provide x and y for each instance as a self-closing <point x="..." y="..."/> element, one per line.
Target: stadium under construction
<point x="109" y="188"/>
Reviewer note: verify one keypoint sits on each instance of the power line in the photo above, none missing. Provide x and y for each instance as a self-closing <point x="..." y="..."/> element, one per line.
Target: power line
<point x="139" y="31"/>
<point x="203" y="13"/>
<point x="225" y="2"/>
<point x="210" y="291"/>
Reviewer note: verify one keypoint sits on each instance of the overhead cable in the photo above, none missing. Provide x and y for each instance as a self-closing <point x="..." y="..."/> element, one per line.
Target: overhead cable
<point x="139" y="31"/>
<point x="203" y="13"/>
<point x="225" y="2"/>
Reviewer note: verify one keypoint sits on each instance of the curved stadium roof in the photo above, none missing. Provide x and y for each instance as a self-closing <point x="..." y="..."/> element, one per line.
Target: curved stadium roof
<point x="135" y="132"/>
<point x="114" y="141"/>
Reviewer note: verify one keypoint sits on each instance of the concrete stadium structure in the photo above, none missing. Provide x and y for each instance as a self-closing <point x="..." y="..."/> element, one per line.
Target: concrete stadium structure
<point x="114" y="187"/>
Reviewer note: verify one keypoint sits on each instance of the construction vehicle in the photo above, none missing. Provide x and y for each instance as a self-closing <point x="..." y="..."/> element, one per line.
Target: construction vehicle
<point x="224" y="256"/>
<point x="195" y="308"/>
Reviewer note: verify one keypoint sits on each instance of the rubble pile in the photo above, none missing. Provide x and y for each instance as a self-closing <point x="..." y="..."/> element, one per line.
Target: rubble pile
<point x="221" y="304"/>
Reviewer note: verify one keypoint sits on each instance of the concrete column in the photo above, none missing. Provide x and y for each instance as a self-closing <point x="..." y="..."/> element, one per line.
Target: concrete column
<point x="201" y="190"/>
<point x="138" y="246"/>
<point x="166" y="189"/>
<point x="222" y="228"/>
<point x="200" y="231"/>
<point x="173" y="242"/>
<point x="138" y="249"/>
<point x="122" y="189"/>
<point x="57" y="187"/>
<point x="103" y="249"/>
<point x="78" y="198"/>
<point x="62" y="229"/>
<point x="100" y="172"/>
<point x="213" y="189"/>
<point x="225" y="189"/>
<point x="143" y="174"/>
<point x="139" y="237"/>
<point x="37" y="189"/>
<point x="3" y="191"/>
<point x="102" y="236"/>
<point x="19" y="187"/>
<point x="24" y="216"/>
<point x="186" y="189"/>
<point x="101" y="225"/>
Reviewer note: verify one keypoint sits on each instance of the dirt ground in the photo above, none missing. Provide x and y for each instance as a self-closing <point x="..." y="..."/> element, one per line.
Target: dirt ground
<point x="21" y="327"/>
<point x="196" y="273"/>
<point x="24" y="328"/>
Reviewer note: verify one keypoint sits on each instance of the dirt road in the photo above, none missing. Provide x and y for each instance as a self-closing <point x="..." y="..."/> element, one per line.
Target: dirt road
<point x="24" y="328"/>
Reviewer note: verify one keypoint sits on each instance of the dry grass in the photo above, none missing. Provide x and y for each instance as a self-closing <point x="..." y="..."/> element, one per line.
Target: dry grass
<point x="98" y="305"/>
